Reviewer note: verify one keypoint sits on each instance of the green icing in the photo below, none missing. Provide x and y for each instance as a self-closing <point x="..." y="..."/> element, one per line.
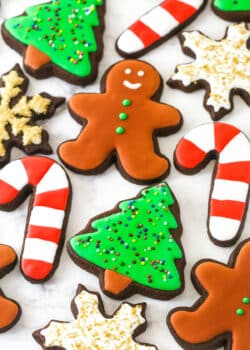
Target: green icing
<point x="232" y="5"/>
<point x="63" y="30"/>
<point x="136" y="241"/>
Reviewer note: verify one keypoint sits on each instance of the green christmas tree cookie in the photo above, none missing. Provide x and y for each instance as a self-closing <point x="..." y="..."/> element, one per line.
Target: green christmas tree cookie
<point x="61" y="38"/>
<point x="232" y="10"/>
<point x="135" y="247"/>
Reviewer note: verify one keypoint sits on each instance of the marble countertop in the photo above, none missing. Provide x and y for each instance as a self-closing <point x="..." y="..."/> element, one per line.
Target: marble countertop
<point x="95" y="194"/>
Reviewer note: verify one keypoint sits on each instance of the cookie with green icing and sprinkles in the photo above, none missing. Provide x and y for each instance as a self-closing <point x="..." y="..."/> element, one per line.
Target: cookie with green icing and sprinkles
<point x="136" y="247"/>
<point x="232" y="10"/>
<point x="61" y="38"/>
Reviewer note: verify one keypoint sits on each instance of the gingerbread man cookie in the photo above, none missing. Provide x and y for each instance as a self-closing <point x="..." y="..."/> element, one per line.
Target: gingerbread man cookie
<point x="122" y="123"/>
<point x="221" y="317"/>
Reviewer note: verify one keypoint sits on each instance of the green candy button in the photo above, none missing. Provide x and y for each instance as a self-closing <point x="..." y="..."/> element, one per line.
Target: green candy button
<point x="126" y="103"/>
<point x="120" y="130"/>
<point x="246" y="300"/>
<point x="240" y="312"/>
<point x="123" y="116"/>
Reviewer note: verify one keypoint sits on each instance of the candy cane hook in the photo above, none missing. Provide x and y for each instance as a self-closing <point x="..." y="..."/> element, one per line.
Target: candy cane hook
<point x="231" y="179"/>
<point x="157" y="25"/>
<point x="48" y="211"/>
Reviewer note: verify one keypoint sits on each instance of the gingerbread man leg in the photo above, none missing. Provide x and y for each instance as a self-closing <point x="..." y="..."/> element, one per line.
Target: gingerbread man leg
<point x="140" y="160"/>
<point x="88" y="152"/>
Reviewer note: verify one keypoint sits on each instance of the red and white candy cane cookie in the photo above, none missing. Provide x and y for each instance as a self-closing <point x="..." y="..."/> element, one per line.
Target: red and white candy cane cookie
<point x="231" y="179"/>
<point x="157" y="25"/>
<point x="48" y="211"/>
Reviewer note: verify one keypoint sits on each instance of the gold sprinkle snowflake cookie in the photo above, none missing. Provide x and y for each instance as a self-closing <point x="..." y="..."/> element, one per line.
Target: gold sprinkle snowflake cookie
<point x="92" y="329"/>
<point x="19" y="114"/>
<point x="221" y="67"/>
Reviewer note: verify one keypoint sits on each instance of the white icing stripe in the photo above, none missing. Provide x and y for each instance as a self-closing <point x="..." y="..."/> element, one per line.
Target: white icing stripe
<point x="203" y="137"/>
<point x="129" y="42"/>
<point x="54" y="179"/>
<point x="38" y="249"/>
<point x="15" y="175"/>
<point x="46" y="217"/>
<point x="223" y="229"/>
<point x="160" y="21"/>
<point x="230" y="190"/>
<point x="238" y="150"/>
<point x="194" y="3"/>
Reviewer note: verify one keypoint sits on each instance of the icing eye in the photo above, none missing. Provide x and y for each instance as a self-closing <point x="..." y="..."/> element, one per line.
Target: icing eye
<point x="128" y="71"/>
<point x="140" y="73"/>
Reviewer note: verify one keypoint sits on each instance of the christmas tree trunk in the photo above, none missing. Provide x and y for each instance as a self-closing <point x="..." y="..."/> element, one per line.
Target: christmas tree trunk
<point x="135" y="247"/>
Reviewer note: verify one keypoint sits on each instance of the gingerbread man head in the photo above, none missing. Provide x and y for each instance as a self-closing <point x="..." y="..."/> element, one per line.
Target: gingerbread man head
<point x="132" y="77"/>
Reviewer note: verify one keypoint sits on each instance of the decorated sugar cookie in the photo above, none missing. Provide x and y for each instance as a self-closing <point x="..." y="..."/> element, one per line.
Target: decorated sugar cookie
<point x="48" y="211"/>
<point x="93" y="329"/>
<point x="135" y="247"/>
<point x="8" y="259"/>
<point x="61" y="38"/>
<point x="220" y="67"/>
<point x="158" y="25"/>
<point x="221" y="317"/>
<point x="10" y="311"/>
<point x="232" y="10"/>
<point x="19" y="115"/>
<point x="121" y="124"/>
<point x="230" y="184"/>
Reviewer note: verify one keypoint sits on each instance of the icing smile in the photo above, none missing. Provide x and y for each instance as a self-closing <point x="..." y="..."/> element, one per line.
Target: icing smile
<point x="132" y="86"/>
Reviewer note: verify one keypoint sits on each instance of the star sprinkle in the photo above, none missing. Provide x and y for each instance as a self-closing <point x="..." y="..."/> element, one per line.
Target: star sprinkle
<point x="221" y="317"/>
<point x="91" y="330"/>
<point x="221" y="67"/>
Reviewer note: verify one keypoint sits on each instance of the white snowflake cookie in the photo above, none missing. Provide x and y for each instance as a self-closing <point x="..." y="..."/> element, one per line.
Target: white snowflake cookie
<point x="92" y="329"/>
<point x="221" y="67"/>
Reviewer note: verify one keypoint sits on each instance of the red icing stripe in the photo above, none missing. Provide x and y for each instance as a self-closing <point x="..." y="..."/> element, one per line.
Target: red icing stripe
<point x="36" y="168"/>
<point x="228" y="209"/>
<point x="46" y="233"/>
<point x="179" y="10"/>
<point x="188" y="155"/>
<point x="36" y="269"/>
<point x="238" y="171"/>
<point x="224" y="133"/>
<point x="53" y="199"/>
<point x="7" y="193"/>
<point x="144" y="33"/>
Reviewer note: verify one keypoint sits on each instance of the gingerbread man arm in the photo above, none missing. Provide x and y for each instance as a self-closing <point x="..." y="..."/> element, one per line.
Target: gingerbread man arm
<point x="165" y="116"/>
<point x="83" y="106"/>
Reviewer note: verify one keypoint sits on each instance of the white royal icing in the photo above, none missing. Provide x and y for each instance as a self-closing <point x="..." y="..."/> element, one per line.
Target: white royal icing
<point x="230" y="190"/>
<point x="203" y="137"/>
<point x="129" y="42"/>
<point x="14" y="174"/>
<point x="237" y="150"/>
<point x="132" y="86"/>
<point x="46" y="217"/>
<point x="54" y="179"/>
<point x="159" y="20"/>
<point x="38" y="249"/>
<point x="223" y="229"/>
<point x="195" y="3"/>
<point x="223" y="64"/>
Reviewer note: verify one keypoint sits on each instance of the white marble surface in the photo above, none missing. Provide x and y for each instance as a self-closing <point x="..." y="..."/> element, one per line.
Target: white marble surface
<point x="95" y="194"/>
